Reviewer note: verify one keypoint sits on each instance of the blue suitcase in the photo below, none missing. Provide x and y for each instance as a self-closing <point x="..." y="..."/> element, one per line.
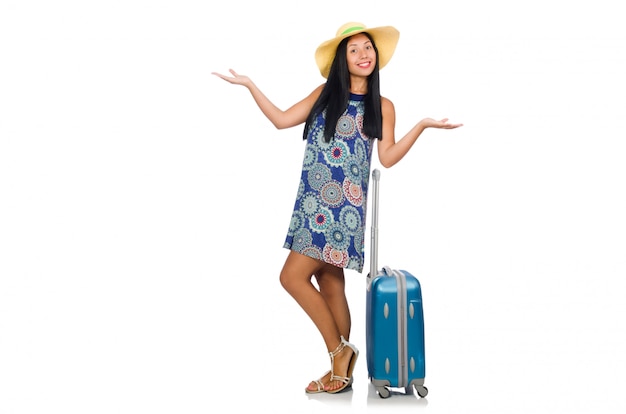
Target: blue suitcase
<point x="394" y="322"/>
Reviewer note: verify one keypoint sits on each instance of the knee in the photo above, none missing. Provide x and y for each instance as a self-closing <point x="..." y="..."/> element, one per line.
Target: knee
<point x="285" y="281"/>
<point x="292" y="281"/>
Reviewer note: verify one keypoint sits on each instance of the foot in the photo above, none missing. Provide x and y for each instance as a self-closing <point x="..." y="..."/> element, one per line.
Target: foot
<point x="343" y="360"/>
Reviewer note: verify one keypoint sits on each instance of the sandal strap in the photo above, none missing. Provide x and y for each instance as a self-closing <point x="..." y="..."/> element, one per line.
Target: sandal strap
<point x="339" y="348"/>
<point x="320" y="385"/>
<point x="345" y="380"/>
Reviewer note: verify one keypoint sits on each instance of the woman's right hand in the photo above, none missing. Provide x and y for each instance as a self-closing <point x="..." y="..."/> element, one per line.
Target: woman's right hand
<point x="236" y="79"/>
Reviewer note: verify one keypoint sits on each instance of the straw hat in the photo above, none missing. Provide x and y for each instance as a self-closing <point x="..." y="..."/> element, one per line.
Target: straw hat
<point x="385" y="38"/>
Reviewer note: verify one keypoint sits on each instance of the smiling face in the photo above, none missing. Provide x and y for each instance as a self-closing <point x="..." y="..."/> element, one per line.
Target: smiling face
<point x="360" y="55"/>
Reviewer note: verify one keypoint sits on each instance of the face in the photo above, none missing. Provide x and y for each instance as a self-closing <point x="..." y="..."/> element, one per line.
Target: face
<point x="360" y="55"/>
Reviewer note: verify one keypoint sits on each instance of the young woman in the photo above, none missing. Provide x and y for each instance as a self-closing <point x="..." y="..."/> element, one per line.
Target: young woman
<point x="343" y="118"/>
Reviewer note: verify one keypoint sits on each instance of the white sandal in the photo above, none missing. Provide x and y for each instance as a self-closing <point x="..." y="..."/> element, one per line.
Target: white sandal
<point x="347" y="380"/>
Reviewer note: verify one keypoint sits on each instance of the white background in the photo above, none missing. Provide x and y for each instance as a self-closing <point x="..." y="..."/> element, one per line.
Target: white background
<point x="144" y="203"/>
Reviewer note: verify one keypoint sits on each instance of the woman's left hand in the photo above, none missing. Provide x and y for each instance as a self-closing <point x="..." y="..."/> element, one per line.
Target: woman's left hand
<point x="443" y="124"/>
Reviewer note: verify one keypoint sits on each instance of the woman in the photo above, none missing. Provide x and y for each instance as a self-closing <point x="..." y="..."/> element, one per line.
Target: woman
<point x="342" y="117"/>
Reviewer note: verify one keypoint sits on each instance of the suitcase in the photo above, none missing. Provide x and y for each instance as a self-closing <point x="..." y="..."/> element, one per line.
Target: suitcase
<point x="394" y="322"/>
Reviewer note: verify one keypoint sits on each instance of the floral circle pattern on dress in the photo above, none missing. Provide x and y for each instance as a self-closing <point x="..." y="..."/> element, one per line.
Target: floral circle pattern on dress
<point x="313" y="251"/>
<point x="318" y="175"/>
<point x="332" y="194"/>
<point x="297" y="222"/>
<point x="352" y="169"/>
<point x="302" y="239"/>
<point x="321" y="220"/>
<point x="309" y="204"/>
<point x="360" y="152"/>
<point x="346" y="126"/>
<point x="337" y="153"/>
<point x="353" y="192"/>
<point x="338" y="236"/>
<point x="349" y="216"/>
<point x="335" y="257"/>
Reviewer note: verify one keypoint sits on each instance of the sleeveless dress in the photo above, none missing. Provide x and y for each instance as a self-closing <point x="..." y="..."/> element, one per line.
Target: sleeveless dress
<point x="328" y="220"/>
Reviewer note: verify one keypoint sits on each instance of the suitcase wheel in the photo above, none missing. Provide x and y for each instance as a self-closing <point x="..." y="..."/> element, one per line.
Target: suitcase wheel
<point x="383" y="392"/>
<point x="421" y="391"/>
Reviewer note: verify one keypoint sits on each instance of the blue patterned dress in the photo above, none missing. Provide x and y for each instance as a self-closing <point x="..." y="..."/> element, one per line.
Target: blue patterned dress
<point x="328" y="221"/>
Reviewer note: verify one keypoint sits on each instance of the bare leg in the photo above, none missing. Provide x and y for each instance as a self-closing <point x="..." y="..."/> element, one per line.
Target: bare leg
<point x="328" y="310"/>
<point x="331" y="282"/>
<point x="296" y="279"/>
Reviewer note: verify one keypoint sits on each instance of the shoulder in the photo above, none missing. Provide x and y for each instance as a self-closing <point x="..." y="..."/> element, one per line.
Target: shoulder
<point x="315" y="93"/>
<point x="386" y="104"/>
<point x="312" y="96"/>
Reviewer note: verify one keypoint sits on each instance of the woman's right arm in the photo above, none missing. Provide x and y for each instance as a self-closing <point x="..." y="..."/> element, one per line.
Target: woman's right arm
<point x="293" y="116"/>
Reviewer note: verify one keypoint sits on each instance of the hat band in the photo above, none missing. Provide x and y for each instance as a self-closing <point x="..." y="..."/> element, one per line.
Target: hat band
<point x="352" y="29"/>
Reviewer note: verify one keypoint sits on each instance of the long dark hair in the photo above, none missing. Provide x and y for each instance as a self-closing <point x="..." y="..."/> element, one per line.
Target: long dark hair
<point x="336" y="93"/>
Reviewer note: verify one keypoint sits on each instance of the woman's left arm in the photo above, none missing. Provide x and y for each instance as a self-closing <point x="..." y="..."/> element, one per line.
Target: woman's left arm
<point x="390" y="151"/>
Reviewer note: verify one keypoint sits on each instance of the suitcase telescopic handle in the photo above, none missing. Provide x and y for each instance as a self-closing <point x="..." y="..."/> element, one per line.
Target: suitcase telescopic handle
<point x="374" y="239"/>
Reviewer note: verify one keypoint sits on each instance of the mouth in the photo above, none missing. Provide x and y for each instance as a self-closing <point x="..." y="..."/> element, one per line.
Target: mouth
<point x="364" y="65"/>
